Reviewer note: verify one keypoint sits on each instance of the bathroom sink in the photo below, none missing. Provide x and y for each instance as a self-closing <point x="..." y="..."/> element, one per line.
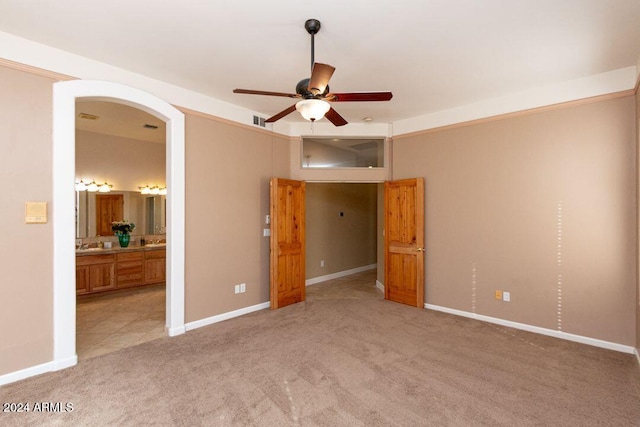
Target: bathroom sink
<point x="155" y="245"/>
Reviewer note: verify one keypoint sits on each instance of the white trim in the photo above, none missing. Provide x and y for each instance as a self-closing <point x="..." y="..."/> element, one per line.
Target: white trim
<point x="379" y="285"/>
<point x="339" y="274"/>
<point x="39" y="55"/>
<point x="637" y="355"/>
<point x="64" y="292"/>
<point x="26" y="373"/>
<point x="226" y="316"/>
<point x="536" y="329"/>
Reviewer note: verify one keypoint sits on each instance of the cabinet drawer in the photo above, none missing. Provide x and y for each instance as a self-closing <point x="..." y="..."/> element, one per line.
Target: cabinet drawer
<point x="94" y="259"/>
<point x="132" y="279"/>
<point x="130" y="256"/>
<point x="127" y="267"/>
<point x="162" y="253"/>
<point x="130" y="269"/>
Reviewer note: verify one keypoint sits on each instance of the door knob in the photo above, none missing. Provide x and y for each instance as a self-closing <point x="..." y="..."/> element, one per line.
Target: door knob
<point x="419" y="249"/>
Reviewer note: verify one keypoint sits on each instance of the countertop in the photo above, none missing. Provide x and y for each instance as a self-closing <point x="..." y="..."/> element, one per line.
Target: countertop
<point x="117" y="249"/>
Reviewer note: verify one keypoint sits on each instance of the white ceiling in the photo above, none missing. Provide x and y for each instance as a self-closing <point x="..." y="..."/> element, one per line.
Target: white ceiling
<point x="119" y="120"/>
<point x="432" y="54"/>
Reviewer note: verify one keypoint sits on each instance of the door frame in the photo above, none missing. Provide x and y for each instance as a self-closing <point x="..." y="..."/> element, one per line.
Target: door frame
<point x="65" y="95"/>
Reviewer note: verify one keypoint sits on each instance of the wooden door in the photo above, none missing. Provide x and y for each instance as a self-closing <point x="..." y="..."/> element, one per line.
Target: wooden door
<point x="287" y="242"/>
<point x="404" y="241"/>
<point x="109" y="208"/>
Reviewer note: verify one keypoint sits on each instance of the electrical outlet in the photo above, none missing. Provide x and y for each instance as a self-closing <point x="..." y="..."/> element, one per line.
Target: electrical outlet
<point x="321" y="263"/>
<point x="237" y="289"/>
<point x="243" y="287"/>
<point x="498" y="294"/>
<point x="506" y="296"/>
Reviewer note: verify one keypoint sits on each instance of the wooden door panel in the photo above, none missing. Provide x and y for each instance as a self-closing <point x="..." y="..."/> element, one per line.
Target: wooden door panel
<point x="101" y="277"/>
<point x="287" y="242"/>
<point x="404" y="241"/>
<point x="109" y="208"/>
<point x="82" y="279"/>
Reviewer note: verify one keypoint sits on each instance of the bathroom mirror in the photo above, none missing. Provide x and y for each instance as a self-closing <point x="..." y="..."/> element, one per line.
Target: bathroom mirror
<point x="146" y="211"/>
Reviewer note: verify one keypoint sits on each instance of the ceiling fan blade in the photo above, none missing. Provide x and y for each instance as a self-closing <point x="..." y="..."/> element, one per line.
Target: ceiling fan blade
<point x="359" y="96"/>
<point x="281" y="114"/>
<point x="335" y="118"/>
<point x="320" y="76"/>
<point x="262" y="92"/>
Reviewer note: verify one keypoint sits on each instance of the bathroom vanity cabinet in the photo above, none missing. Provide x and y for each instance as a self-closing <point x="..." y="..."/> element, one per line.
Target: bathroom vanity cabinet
<point x="95" y="273"/>
<point x="119" y="269"/>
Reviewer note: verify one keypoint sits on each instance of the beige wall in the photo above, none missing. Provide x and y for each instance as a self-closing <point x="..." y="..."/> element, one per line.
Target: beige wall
<point x="124" y="162"/>
<point x="227" y="200"/>
<point x="26" y="297"/>
<point x="343" y="242"/>
<point x="501" y="196"/>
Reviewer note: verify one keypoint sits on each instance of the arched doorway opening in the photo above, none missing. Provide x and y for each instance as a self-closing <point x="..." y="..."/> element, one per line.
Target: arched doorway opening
<point x="65" y="95"/>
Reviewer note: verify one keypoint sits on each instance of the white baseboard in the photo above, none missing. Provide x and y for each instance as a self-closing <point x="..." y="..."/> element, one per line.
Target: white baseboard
<point x="54" y="365"/>
<point x="637" y="355"/>
<point x="226" y="316"/>
<point x="172" y="332"/>
<point x="339" y="274"/>
<point x="379" y="285"/>
<point x="26" y="373"/>
<point x="536" y="329"/>
<point x="64" y="363"/>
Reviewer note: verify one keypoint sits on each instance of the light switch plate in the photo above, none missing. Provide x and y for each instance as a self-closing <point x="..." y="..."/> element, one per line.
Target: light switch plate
<point x="35" y="213"/>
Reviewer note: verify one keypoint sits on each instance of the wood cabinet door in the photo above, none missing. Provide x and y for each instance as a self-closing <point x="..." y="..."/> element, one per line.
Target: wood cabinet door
<point x="154" y="271"/>
<point x="155" y="266"/>
<point x="287" y="258"/>
<point x="109" y="208"/>
<point x="82" y="279"/>
<point x="101" y="277"/>
<point x="404" y="241"/>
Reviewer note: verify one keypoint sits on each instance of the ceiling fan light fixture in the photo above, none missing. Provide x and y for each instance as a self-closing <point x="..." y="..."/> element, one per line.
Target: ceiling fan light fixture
<point x="313" y="109"/>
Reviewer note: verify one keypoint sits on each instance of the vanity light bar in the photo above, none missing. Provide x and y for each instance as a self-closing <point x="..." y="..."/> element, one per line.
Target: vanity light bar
<point x="155" y="190"/>
<point x="93" y="187"/>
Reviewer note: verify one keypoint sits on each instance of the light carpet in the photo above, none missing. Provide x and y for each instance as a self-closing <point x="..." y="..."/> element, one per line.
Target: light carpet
<point x="345" y="357"/>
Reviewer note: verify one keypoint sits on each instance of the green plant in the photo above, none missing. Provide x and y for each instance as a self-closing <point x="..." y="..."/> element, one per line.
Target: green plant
<point x="122" y="227"/>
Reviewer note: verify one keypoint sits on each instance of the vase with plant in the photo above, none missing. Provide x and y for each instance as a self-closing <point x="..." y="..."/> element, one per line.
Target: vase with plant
<point x="123" y="230"/>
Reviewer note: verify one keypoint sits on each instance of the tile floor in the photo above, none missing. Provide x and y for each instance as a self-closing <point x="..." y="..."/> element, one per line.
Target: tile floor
<point x="110" y="322"/>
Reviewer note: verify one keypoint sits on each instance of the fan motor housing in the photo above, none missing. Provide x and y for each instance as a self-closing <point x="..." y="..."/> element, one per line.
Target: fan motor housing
<point x="302" y="88"/>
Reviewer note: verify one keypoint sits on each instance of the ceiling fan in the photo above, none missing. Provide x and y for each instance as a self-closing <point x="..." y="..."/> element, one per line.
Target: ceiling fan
<point x="314" y="94"/>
